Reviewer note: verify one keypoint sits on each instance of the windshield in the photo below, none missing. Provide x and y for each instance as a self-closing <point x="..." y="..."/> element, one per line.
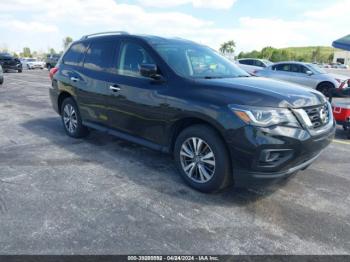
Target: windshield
<point x="195" y="61"/>
<point x="31" y="60"/>
<point x="317" y="69"/>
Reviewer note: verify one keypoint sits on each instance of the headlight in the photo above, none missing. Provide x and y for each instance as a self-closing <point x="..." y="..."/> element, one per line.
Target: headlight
<point x="265" y="116"/>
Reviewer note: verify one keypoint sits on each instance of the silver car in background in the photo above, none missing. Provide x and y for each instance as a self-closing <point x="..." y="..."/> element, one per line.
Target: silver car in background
<point x="252" y="65"/>
<point x="306" y="74"/>
<point x="1" y="76"/>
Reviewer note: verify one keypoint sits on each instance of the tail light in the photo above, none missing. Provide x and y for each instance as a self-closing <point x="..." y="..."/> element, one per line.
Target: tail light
<point x="53" y="71"/>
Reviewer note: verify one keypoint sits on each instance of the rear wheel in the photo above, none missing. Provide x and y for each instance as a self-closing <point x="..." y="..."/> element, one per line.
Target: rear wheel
<point x="19" y="70"/>
<point x="202" y="159"/>
<point x="71" y="119"/>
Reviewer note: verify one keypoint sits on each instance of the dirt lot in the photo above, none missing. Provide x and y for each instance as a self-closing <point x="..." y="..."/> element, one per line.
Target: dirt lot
<point x="101" y="195"/>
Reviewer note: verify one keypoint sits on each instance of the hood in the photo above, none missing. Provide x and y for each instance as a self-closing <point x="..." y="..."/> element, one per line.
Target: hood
<point x="259" y="91"/>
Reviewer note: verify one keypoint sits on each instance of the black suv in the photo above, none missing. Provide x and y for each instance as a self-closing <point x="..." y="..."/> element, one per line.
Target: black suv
<point x="9" y="62"/>
<point x="179" y="97"/>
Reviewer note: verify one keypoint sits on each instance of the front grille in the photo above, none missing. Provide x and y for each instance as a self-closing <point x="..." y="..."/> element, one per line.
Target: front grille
<point x="319" y="115"/>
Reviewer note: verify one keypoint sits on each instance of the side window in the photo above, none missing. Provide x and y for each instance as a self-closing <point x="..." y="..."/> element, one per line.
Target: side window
<point x="304" y="69"/>
<point x="132" y="56"/>
<point x="243" y="62"/>
<point x="295" y="68"/>
<point x="100" y="55"/>
<point x="247" y="62"/>
<point x="75" y="54"/>
<point x="259" y="63"/>
<point x="282" y="67"/>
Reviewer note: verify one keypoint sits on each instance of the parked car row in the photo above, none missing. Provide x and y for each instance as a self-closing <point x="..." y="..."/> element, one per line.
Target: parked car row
<point x="305" y="74"/>
<point x="9" y="62"/>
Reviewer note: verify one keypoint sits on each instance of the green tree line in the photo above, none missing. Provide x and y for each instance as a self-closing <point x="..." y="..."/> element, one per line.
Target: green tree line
<point x="320" y="54"/>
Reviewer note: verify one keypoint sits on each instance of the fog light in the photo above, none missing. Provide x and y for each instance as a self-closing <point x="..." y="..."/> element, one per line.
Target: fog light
<point x="274" y="157"/>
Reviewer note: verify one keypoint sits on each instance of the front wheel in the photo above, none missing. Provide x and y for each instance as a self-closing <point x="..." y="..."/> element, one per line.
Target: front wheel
<point x="71" y="119"/>
<point x="202" y="159"/>
<point x="326" y="89"/>
<point x="19" y="70"/>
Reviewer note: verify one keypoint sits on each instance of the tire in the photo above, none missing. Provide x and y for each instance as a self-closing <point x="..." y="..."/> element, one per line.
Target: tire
<point x="205" y="176"/>
<point x="71" y="119"/>
<point x="19" y="70"/>
<point x="1" y="81"/>
<point x="325" y="89"/>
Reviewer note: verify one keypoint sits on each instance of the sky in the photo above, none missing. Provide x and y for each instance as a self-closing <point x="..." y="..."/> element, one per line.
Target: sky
<point x="252" y="24"/>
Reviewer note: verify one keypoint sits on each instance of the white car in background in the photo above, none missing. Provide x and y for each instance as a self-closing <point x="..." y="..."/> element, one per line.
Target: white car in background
<point x="253" y="65"/>
<point x="306" y="74"/>
<point x="32" y="63"/>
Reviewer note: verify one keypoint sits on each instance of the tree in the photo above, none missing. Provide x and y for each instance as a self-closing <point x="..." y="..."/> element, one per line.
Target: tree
<point x="52" y="51"/>
<point x="267" y="52"/>
<point x="26" y="52"/>
<point x="228" y="47"/>
<point x="330" y="58"/>
<point x="67" y="41"/>
<point x="316" y="54"/>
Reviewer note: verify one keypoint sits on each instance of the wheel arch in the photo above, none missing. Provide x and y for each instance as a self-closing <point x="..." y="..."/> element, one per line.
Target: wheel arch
<point x="325" y="82"/>
<point x="183" y="123"/>
<point x="62" y="96"/>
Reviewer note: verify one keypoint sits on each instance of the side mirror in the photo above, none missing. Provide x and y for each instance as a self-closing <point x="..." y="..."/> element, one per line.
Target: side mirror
<point x="149" y="70"/>
<point x="308" y="72"/>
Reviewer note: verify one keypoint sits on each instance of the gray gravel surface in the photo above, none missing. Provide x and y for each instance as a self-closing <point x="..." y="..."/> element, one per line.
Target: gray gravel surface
<point x="102" y="195"/>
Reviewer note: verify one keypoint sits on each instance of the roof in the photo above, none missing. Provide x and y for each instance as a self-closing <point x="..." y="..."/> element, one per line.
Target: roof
<point x="342" y="43"/>
<point x="292" y="62"/>
<point x="152" y="39"/>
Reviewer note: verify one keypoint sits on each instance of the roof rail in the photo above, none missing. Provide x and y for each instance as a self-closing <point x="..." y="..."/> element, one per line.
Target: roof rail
<point x="105" y="33"/>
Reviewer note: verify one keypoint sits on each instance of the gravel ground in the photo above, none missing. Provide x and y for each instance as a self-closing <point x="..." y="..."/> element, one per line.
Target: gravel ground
<point x="102" y="195"/>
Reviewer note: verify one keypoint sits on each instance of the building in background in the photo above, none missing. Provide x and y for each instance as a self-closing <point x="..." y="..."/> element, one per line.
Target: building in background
<point x="342" y="57"/>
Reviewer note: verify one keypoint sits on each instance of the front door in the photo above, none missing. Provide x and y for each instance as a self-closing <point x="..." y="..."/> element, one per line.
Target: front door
<point x="136" y="102"/>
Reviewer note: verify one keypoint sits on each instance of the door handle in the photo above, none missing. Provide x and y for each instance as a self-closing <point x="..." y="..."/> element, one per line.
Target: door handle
<point x="114" y="88"/>
<point x="74" y="79"/>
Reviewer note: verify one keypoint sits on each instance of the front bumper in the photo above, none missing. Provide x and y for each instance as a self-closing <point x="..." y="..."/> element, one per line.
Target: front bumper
<point x="295" y="149"/>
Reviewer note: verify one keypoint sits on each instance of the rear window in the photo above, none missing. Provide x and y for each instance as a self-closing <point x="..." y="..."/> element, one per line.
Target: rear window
<point x="100" y="55"/>
<point x="75" y="54"/>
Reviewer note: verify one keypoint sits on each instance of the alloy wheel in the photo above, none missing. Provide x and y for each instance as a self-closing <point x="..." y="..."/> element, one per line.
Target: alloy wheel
<point x="70" y="118"/>
<point x="197" y="160"/>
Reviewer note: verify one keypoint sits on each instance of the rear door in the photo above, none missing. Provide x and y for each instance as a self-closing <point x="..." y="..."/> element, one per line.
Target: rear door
<point x="70" y="78"/>
<point x="93" y="91"/>
<point x="282" y="72"/>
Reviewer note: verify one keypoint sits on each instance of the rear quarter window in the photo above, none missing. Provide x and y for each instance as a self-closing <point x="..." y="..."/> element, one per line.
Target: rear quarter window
<point x="75" y="54"/>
